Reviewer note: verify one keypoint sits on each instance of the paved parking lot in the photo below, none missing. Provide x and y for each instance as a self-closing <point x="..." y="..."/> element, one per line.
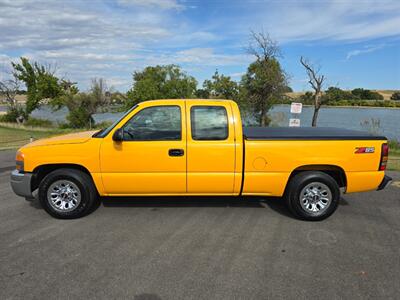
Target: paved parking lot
<point x="200" y="248"/>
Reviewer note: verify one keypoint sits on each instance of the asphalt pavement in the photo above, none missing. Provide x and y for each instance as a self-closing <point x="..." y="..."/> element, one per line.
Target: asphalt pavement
<point x="200" y="248"/>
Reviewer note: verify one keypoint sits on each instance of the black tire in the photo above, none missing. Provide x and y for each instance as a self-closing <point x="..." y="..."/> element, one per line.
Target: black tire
<point x="89" y="199"/>
<point x="305" y="179"/>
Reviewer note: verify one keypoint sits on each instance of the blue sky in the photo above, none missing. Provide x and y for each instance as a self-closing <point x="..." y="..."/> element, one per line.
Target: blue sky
<point x="356" y="43"/>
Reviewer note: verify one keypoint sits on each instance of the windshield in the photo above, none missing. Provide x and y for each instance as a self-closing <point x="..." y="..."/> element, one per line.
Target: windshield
<point x="103" y="132"/>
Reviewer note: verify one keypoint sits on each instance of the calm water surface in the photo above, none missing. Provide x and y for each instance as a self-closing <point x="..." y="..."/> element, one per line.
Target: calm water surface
<point x="342" y="117"/>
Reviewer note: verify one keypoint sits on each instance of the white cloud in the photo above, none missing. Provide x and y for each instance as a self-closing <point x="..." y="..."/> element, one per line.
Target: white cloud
<point x="207" y="56"/>
<point x="366" y="49"/>
<point x="113" y="38"/>
<point x="162" y="4"/>
<point x="336" y="20"/>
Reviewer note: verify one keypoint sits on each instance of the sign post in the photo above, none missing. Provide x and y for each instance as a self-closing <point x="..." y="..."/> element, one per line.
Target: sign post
<point x="295" y="110"/>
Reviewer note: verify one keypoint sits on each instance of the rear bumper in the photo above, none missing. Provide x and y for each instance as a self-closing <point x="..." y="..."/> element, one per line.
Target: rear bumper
<point x="386" y="179"/>
<point x="21" y="183"/>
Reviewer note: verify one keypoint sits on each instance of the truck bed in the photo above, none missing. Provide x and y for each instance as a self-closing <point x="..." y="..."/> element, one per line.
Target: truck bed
<point x="306" y="133"/>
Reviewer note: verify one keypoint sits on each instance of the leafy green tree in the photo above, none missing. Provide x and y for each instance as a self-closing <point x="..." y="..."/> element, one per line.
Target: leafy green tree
<point x="307" y="98"/>
<point x="364" y="94"/>
<point x="395" y="96"/>
<point x="202" y="94"/>
<point x="39" y="81"/>
<point x="335" y="94"/>
<point x="265" y="81"/>
<point x="161" y="82"/>
<point x="221" y="87"/>
<point x="82" y="106"/>
<point x="288" y="89"/>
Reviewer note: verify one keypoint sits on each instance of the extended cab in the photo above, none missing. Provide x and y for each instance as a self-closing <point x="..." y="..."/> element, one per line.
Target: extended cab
<point x="199" y="147"/>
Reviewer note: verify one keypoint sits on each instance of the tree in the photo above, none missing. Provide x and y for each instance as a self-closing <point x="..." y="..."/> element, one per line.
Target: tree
<point x="364" y="94"/>
<point x="40" y="83"/>
<point x="288" y="89"/>
<point x="307" y="98"/>
<point x="82" y="106"/>
<point x="265" y="81"/>
<point x="202" y="94"/>
<point x="316" y="81"/>
<point x="9" y="88"/>
<point x="161" y="82"/>
<point x="221" y="87"/>
<point x="335" y="94"/>
<point x="395" y="96"/>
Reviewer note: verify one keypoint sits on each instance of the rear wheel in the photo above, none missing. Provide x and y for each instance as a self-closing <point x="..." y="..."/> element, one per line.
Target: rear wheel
<point x="68" y="194"/>
<point x="312" y="195"/>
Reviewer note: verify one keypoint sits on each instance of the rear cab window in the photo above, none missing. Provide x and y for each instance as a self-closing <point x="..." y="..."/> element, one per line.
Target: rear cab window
<point x="209" y="123"/>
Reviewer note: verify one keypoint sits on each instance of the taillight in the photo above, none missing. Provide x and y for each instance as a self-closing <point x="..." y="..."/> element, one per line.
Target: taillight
<point x="384" y="157"/>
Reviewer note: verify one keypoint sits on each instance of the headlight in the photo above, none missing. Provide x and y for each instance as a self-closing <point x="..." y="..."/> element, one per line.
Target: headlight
<point x="19" y="161"/>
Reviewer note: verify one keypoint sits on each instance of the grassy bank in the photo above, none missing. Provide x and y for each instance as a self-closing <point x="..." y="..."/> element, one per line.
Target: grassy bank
<point x="12" y="137"/>
<point x="394" y="156"/>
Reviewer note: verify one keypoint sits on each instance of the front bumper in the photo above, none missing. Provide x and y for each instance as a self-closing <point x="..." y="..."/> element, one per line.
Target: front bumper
<point x="386" y="179"/>
<point x="21" y="183"/>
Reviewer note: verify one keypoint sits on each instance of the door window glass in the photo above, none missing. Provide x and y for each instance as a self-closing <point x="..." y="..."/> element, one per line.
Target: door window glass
<point x="158" y="123"/>
<point x="209" y="123"/>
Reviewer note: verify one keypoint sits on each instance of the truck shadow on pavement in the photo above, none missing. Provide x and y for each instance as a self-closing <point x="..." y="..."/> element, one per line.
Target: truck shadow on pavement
<point x="274" y="203"/>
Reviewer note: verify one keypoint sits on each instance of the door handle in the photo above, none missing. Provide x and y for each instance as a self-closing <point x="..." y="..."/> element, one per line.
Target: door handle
<point x="176" y="152"/>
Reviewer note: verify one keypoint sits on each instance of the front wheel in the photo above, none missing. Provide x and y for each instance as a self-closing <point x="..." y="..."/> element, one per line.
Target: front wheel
<point x="312" y="195"/>
<point x="68" y="194"/>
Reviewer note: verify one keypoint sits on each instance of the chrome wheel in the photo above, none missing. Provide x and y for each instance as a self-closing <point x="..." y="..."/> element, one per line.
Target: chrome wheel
<point x="315" y="197"/>
<point x="64" y="195"/>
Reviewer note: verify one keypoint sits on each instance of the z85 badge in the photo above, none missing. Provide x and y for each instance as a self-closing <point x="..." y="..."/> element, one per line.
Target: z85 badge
<point x="360" y="150"/>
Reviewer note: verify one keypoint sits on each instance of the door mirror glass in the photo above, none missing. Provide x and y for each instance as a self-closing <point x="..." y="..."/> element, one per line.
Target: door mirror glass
<point x="118" y="135"/>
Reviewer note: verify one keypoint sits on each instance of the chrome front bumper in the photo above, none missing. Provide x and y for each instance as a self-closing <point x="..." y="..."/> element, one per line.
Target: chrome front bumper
<point x="21" y="183"/>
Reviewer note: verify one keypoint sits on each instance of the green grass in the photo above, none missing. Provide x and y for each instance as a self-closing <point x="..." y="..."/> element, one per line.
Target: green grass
<point x="12" y="137"/>
<point x="394" y="163"/>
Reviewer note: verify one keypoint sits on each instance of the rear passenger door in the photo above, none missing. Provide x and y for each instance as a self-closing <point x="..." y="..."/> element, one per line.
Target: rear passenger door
<point x="210" y="148"/>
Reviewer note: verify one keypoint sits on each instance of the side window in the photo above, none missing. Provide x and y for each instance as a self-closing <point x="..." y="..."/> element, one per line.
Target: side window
<point x="209" y="123"/>
<point x="158" y="123"/>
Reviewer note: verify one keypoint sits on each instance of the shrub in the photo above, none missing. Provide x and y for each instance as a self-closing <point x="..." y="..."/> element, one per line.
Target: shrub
<point x="38" y="123"/>
<point x="13" y="114"/>
<point x="366" y="94"/>
<point x="103" y="124"/>
<point x="395" y="96"/>
<point x="80" y="117"/>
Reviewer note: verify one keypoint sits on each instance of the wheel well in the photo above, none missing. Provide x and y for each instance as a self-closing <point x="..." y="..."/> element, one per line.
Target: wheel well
<point x="41" y="171"/>
<point x="335" y="172"/>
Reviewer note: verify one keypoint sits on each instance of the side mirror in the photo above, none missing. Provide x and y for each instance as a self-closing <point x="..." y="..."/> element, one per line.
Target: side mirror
<point x="118" y="135"/>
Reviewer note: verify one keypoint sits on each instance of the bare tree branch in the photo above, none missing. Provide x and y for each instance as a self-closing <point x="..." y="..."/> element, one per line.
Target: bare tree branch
<point x="262" y="46"/>
<point x="316" y="80"/>
<point x="9" y="89"/>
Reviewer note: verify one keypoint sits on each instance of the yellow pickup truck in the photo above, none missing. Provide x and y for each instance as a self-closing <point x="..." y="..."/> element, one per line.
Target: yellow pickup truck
<point x="199" y="148"/>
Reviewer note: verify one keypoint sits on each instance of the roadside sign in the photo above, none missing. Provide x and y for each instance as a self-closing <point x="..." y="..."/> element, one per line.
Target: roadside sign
<point x="294" y="123"/>
<point x="295" y="108"/>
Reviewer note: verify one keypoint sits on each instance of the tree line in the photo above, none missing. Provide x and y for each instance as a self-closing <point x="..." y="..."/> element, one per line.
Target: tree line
<point x="264" y="84"/>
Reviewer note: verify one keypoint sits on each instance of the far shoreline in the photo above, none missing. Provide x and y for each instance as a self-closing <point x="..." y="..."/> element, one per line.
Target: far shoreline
<point x="343" y="106"/>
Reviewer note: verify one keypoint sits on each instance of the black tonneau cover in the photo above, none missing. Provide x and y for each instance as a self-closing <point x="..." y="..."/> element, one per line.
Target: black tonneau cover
<point x="306" y="133"/>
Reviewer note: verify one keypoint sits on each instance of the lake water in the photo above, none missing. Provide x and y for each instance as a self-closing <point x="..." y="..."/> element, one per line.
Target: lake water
<point x="342" y="117"/>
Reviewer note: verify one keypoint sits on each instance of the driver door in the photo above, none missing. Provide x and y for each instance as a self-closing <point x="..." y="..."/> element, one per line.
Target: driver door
<point x="151" y="159"/>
